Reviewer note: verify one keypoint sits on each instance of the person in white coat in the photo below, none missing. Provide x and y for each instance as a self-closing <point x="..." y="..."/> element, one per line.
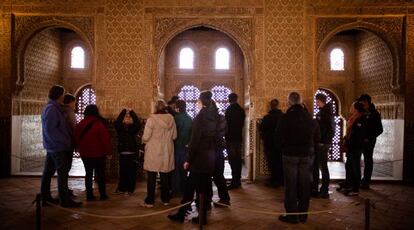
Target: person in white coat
<point x="159" y="134"/>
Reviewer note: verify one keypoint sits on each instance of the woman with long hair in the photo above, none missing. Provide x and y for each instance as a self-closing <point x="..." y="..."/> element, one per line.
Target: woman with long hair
<point x="93" y="142"/>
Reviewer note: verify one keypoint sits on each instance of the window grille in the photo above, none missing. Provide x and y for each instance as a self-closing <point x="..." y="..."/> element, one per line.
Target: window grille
<point x="337" y="60"/>
<point x="190" y="94"/>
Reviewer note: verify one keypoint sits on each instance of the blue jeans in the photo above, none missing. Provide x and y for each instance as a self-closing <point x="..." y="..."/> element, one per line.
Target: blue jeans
<point x="179" y="174"/>
<point x="297" y="173"/>
<point x="56" y="161"/>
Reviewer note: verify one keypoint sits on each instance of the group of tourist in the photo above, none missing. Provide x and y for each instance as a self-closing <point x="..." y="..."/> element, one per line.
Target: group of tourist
<point x="296" y="147"/>
<point x="188" y="154"/>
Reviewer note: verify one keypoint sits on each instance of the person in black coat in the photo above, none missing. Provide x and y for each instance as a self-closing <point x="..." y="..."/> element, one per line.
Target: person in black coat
<point x="201" y="157"/>
<point x="218" y="175"/>
<point x="326" y="123"/>
<point x="235" y="116"/>
<point x="127" y="126"/>
<point x="271" y="146"/>
<point x="374" y="129"/>
<point x="298" y="134"/>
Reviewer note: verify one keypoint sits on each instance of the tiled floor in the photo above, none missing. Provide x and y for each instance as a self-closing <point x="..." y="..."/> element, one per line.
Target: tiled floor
<point x="394" y="209"/>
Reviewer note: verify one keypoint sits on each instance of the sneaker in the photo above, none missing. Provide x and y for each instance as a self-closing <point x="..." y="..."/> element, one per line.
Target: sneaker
<point x="104" y="197"/>
<point x="289" y="219"/>
<point x="51" y="200"/>
<point x="72" y="204"/>
<point x="177" y="217"/>
<point x="145" y="205"/>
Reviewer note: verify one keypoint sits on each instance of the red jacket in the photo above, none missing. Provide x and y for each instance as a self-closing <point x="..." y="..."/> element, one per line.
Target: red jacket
<point x="96" y="142"/>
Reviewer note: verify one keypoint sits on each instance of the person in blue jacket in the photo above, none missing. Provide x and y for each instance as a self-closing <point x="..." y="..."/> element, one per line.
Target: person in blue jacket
<point x="58" y="144"/>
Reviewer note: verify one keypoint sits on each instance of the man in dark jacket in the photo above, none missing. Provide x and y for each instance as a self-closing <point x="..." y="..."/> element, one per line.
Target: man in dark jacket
<point x="58" y="144"/>
<point x="201" y="157"/>
<point x="271" y="145"/>
<point x="235" y="121"/>
<point x="374" y="129"/>
<point x="218" y="175"/>
<point x="298" y="132"/>
<point x="127" y="126"/>
<point x="326" y="124"/>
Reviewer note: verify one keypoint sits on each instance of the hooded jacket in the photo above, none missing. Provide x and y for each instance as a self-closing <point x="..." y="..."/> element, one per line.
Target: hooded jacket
<point x="159" y="134"/>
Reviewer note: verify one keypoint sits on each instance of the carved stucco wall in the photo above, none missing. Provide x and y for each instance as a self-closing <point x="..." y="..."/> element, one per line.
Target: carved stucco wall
<point x="125" y="81"/>
<point x="374" y="67"/>
<point x="42" y="65"/>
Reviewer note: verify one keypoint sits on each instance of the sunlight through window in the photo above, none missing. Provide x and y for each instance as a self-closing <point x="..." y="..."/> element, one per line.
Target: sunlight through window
<point x="186" y="58"/>
<point x="222" y="58"/>
<point x="337" y="59"/>
<point x="77" y="58"/>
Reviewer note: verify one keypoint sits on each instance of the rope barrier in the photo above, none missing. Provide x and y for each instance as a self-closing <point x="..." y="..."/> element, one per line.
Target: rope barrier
<point x="290" y="213"/>
<point x="118" y="217"/>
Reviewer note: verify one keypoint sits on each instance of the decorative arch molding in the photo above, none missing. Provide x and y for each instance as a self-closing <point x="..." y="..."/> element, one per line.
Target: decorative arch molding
<point x="239" y="29"/>
<point x="389" y="29"/>
<point x="26" y="27"/>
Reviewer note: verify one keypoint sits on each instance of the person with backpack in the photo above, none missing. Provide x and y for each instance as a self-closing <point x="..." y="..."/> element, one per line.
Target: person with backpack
<point x="93" y="142"/>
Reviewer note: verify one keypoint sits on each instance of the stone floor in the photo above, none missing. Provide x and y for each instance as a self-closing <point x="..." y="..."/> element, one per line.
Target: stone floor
<point x="394" y="209"/>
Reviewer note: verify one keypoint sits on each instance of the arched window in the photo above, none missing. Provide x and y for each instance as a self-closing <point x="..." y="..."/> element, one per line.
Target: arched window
<point x="221" y="97"/>
<point x="337" y="59"/>
<point x="190" y="94"/>
<point x="186" y="58"/>
<point x="77" y="58"/>
<point x="334" y="151"/>
<point x="85" y="97"/>
<point x="222" y="58"/>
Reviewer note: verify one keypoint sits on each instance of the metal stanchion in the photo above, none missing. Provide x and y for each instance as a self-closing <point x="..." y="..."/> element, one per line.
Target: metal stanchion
<point x="38" y="211"/>
<point x="367" y="213"/>
<point x="201" y="211"/>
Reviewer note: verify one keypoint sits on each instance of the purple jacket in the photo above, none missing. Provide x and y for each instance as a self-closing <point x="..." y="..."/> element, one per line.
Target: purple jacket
<point x="56" y="137"/>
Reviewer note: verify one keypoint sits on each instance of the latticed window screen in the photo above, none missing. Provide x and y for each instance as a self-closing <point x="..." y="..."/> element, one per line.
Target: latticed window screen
<point x="334" y="151"/>
<point x="190" y="94"/>
<point x="220" y="96"/>
<point x="85" y="97"/>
